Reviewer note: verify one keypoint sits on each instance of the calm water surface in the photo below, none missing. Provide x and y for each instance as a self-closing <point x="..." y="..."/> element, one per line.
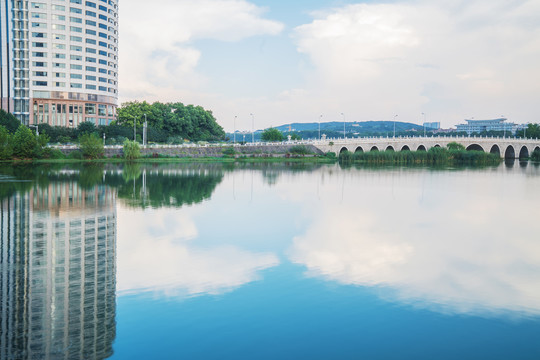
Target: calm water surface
<point x="269" y="261"/>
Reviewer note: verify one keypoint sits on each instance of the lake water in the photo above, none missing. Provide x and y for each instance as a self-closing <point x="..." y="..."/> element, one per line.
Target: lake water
<point x="269" y="261"/>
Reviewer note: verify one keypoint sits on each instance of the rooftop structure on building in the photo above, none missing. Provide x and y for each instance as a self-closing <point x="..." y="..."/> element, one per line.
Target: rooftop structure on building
<point x="478" y="126"/>
<point x="59" y="61"/>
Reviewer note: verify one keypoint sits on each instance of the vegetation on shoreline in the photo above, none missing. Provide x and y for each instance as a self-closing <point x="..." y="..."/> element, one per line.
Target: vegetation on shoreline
<point x="535" y="156"/>
<point x="454" y="154"/>
<point x="171" y="123"/>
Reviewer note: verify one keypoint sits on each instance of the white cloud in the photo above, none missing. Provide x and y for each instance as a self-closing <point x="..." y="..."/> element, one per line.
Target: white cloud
<point x="157" y="59"/>
<point x="157" y="254"/>
<point x="449" y="59"/>
<point x="446" y="59"/>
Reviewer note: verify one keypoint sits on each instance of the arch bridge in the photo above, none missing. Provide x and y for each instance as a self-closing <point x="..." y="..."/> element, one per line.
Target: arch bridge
<point x="508" y="148"/>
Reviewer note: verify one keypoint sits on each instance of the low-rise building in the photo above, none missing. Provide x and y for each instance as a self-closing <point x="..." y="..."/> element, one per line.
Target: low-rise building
<point x="478" y="126"/>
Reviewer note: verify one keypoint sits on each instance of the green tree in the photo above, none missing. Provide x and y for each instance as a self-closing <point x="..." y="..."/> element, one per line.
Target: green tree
<point x="455" y="146"/>
<point x="133" y="111"/>
<point x="24" y="143"/>
<point x="533" y="131"/>
<point x="9" y="121"/>
<point x="132" y="150"/>
<point x="535" y="156"/>
<point x="272" y="134"/>
<point x="170" y="120"/>
<point x="86" y="127"/>
<point x="91" y="146"/>
<point x="6" y="148"/>
<point x="295" y="136"/>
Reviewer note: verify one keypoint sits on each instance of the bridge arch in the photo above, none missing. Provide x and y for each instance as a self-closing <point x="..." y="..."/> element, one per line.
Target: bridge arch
<point x="475" y="147"/>
<point x="389" y="148"/>
<point x="510" y="153"/>
<point x="343" y="149"/>
<point x="495" y="149"/>
<point x="524" y="152"/>
<point x="374" y="148"/>
<point x="405" y="148"/>
<point x="359" y="150"/>
<point x="437" y="146"/>
<point x="421" y="148"/>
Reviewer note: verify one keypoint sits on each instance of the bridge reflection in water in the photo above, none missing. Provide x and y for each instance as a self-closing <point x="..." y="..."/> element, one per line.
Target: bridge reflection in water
<point x="58" y="273"/>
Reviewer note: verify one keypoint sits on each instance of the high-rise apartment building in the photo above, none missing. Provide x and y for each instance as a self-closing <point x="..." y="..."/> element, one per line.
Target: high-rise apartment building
<point x="59" y="61"/>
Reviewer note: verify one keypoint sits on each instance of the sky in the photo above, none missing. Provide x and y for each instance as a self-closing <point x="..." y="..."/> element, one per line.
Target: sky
<point x="293" y="61"/>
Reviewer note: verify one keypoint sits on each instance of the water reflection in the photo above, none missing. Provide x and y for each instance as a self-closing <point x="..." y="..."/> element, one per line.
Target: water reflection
<point x="163" y="255"/>
<point x="166" y="186"/>
<point x="458" y="241"/>
<point x="57" y="279"/>
<point x="453" y="241"/>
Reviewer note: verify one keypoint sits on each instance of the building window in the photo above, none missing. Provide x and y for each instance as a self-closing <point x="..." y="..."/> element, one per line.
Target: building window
<point x="90" y="109"/>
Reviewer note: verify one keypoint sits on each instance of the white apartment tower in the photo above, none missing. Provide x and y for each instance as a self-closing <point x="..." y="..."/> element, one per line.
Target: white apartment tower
<point x="59" y="61"/>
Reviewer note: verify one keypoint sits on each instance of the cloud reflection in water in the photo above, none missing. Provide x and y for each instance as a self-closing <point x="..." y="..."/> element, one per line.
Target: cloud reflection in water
<point x="157" y="255"/>
<point x="460" y="243"/>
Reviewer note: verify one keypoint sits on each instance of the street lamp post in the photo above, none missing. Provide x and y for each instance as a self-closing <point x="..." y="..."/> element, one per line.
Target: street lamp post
<point x="252" y="128"/>
<point x="37" y="129"/>
<point x="395" y="116"/>
<point x="424" y="124"/>
<point x="134" y="129"/>
<point x="343" y="115"/>
<point x="145" y="127"/>
<point x="320" y="119"/>
<point x="234" y="133"/>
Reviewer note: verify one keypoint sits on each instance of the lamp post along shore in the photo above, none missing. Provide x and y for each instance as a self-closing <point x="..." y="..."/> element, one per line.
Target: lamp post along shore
<point x="395" y="116"/>
<point x="234" y="130"/>
<point x="145" y="127"/>
<point x="37" y="129"/>
<point x="252" y="128"/>
<point x="320" y="119"/>
<point x="343" y="115"/>
<point x="424" y="124"/>
<point x="134" y="128"/>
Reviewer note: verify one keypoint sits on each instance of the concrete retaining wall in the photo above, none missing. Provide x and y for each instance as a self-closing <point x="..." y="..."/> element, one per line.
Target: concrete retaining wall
<point x="206" y="151"/>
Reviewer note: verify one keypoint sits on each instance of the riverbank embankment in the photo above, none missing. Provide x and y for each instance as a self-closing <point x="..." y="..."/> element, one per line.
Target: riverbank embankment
<point x="201" y="151"/>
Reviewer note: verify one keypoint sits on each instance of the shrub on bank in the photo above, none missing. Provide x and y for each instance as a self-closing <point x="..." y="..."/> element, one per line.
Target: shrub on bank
<point x="91" y="146"/>
<point x="132" y="150"/>
<point x="229" y="152"/>
<point x="330" y="155"/>
<point x="6" y="146"/>
<point x="75" y="155"/>
<point x="300" y="150"/>
<point x="535" y="156"/>
<point x="55" y="154"/>
<point x="24" y="143"/>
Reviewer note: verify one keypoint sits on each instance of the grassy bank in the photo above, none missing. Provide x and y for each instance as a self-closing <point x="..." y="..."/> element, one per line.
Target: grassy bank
<point x="435" y="156"/>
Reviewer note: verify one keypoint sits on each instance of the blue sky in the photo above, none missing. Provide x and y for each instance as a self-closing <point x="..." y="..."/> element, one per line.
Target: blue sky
<point x="293" y="61"/>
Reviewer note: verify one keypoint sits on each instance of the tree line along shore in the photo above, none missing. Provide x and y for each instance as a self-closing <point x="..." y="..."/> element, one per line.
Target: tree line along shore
<point x="176" y="123"/>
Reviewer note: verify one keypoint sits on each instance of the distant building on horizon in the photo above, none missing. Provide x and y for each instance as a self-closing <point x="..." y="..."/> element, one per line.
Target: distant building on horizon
<point x="59" y="61"/>
<point x="477" y="126"/>
<point x="432" y="125"/>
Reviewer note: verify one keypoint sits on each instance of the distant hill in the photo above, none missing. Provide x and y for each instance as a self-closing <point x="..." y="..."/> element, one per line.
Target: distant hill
<point x="352" y="127"/>
<point x="334" y="129"/>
